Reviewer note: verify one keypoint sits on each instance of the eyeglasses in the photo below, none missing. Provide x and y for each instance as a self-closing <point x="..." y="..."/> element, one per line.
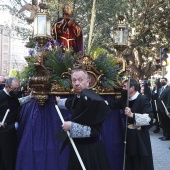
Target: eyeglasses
<point x="15" y="89"/>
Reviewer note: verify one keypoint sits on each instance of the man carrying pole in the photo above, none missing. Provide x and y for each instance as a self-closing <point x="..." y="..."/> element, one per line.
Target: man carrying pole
<point x="138" y="155"/>
<point x="89" y="111"/>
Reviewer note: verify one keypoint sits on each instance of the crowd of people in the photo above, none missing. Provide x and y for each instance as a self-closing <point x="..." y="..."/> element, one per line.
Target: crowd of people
<point x="141" y="105"/>
<point x="159" y="96"/>
<point x="85" y="126"/>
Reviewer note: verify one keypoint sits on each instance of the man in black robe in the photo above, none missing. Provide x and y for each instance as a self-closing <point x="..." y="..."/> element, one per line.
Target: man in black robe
<point x="164" y="96"/>
<point x="89" y="111"/>
<point x="138" y="155"/>
<point x="9" y="99"/>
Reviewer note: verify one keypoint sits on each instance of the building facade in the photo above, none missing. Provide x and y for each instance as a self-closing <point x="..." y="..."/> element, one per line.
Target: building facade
<point x="12" y="51"/>
<point x="5" y="50"/>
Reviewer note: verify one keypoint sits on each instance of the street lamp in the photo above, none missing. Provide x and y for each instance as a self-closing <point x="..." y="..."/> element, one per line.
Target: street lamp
<point x="42" y="34"/>
<point x="42" y="25"/>
<point x="120" y="36"/>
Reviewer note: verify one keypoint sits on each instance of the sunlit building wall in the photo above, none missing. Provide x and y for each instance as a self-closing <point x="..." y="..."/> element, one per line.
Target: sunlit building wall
<point x="5" y="50"/>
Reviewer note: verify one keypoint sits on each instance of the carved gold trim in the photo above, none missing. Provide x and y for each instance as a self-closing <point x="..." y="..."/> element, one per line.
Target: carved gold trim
<point x="42" y="87"/>
<point x="41" y="99"/>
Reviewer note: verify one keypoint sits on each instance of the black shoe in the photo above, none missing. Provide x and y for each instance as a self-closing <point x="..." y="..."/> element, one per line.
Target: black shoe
<point x="156" y="130"/>
<point x="165" y="138"/>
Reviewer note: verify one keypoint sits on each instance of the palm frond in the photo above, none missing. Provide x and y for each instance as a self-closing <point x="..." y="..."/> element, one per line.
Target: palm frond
<point x="110" y="70"/>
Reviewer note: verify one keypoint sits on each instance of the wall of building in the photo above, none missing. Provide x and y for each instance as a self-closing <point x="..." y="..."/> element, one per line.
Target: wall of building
<point x="5" y="50"/>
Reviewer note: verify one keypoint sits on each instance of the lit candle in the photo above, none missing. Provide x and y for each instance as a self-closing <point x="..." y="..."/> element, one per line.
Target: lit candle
<point x="6" y="114"/>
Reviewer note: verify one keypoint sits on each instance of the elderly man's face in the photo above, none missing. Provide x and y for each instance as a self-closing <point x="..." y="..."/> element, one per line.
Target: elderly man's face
<point x="79" y="81"/>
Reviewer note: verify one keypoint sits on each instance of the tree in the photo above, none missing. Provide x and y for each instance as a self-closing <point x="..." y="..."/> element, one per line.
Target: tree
<point x="14" y="73"/>
<point x="148" y="20"/>
<point x="148" y="24"/>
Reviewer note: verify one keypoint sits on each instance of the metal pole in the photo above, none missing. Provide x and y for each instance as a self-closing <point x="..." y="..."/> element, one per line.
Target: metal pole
<point x="126" y="121"/>
<point x="163" y="71"/>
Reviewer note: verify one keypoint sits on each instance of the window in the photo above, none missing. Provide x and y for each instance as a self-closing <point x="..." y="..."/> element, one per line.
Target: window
<point x="4" y="62"/>
<point x="6" y="31"/>
<point x="5" y="39"/>
<point x="5" y="47"/>
<point x="5" y="55"/>
<point x="14" y="56"/>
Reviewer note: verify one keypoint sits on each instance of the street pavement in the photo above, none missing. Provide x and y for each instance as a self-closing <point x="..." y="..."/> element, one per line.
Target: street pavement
<point x="160" y="151"/>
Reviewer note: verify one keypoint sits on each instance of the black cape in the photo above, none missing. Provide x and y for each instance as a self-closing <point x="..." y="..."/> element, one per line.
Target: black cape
<point x="90" y="108"/>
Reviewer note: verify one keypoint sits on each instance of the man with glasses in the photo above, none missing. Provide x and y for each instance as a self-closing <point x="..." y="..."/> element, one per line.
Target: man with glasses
<point x="88" y="111"/>
<point x="9" y="100"/>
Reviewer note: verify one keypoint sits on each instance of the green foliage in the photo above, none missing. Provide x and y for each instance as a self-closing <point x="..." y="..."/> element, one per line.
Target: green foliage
<point x="149" y="21"/>
<point x="28" y="72"/>
<point x="109" y="68"/>
<point x="58" y="63"/>
<point x="97" y="52"/>
<point x="14" y="73"/>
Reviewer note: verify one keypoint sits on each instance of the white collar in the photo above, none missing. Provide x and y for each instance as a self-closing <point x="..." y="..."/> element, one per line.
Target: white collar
<point x="6" y="91"/>
<point x="134" y="96"/>
<point x="164" y="86"/>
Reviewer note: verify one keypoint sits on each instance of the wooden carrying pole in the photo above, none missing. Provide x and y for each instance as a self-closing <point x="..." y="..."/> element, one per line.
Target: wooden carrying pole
<point x="71" y="140"/>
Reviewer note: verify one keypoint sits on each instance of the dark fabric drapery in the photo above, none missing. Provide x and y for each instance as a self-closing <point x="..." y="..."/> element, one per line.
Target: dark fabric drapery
<point x="38" y="148"/>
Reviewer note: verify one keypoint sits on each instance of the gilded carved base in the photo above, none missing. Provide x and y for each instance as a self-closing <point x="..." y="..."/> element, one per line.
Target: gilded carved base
<point x="42" y="86"/>
<point x="41" y="98"/>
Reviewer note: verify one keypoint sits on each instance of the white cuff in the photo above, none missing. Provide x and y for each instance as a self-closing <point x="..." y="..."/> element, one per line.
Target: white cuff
<point x="79" y="131"/>
<point x="142" y="119"/>
<point x="61" y="103"/>
<point x="24" y="100"/>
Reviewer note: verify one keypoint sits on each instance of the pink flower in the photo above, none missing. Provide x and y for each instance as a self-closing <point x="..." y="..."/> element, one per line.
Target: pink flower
<point x="50" y="48"/>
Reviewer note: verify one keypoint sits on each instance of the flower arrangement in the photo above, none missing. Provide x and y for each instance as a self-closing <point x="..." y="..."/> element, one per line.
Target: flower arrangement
<point x="58" y="62"/>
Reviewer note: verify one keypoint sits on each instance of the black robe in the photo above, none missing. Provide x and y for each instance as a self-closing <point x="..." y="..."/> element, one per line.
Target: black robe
<point x="165" y="121"/>
<point x="8" y="134"/>
<point x="90" y="110"/>
<point x="138" y="145"/>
